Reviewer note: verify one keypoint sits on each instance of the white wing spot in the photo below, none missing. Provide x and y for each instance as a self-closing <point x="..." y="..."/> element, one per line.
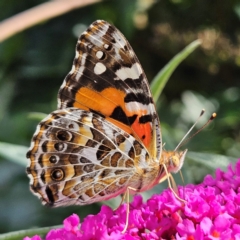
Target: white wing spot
<point x="99" y="68"/>
<point x="83" y="60"/>
<point x="106" y="46"/>
<point x="84" y="33"/>
<point x="131" y="106"/>
<point x="72" y="70"/>
<point x="99" y="54"/>
<point x="134" y="72"/>
<point x="76" y="55"/>
<point x="80" y="72"/>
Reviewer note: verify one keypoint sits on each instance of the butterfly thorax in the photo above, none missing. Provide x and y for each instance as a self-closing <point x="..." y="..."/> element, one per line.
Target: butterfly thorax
<point x="147" y="176"/>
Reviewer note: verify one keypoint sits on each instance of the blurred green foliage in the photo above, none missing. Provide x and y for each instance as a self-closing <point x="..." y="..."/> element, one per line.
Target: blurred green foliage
<point x="34" y="63"/>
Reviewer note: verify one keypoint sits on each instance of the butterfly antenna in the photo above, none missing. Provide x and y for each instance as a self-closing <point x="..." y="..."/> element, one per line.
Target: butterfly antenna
<point x="184" y="140"/>
<point x="184" y="137"/>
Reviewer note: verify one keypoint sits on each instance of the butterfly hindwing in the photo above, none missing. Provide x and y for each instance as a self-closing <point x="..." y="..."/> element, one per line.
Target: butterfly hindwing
<point x="77" y="157"/>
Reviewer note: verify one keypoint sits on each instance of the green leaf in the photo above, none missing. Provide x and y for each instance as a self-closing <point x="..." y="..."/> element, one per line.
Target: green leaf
<point x="37" y="115"/>
<point x="164" y="74"/>
<point x="13" y="152"/>
<point x="211" y="161"/>
<point x="16" y="235"/>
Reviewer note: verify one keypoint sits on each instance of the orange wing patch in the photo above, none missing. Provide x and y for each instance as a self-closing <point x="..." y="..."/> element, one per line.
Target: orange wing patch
<point x="105" y="102"/>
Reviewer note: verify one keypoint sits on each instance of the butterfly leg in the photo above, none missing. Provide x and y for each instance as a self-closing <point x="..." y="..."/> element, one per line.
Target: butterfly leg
<point x="127" y="197"/>
<point x="171" y="182"/>
<point x="122" y="200"/>
<point x="126" y="194"/>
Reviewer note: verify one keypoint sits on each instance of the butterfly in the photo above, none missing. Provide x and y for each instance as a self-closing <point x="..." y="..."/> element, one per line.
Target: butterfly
<point x="104" y="138"/>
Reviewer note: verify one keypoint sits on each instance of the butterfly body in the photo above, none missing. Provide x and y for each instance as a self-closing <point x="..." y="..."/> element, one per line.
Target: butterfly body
<point x="105" y="136"/>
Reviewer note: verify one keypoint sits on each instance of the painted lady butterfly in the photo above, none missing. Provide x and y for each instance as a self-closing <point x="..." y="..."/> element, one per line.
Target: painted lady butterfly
<point x="105" y="137"/>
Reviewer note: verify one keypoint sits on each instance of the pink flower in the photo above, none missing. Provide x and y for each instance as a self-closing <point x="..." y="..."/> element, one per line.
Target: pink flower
<point x="211" y="211"/>
<point x="70" y="230"/>
<point x="32" y="238"/>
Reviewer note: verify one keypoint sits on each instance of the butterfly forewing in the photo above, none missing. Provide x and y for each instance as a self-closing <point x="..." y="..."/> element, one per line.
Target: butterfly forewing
<point x="107" y="78"/>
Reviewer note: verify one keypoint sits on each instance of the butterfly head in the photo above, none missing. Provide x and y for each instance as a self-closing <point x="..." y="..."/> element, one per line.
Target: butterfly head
<point x="173" y="160"/>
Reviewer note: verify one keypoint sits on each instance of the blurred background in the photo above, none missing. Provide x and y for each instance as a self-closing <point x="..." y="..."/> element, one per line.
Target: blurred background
<point x="34" y="62"/>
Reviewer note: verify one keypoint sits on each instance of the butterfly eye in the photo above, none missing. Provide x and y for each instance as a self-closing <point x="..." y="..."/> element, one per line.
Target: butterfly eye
<point x="64" y="135"/>
<point x="57" y="174"/>
<point x="175" y="161"/>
